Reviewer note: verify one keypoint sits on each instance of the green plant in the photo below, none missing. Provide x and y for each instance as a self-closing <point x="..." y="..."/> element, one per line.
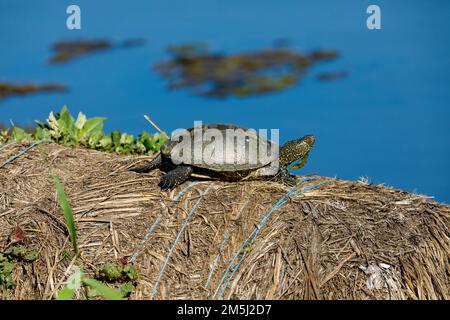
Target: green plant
<point x="67" y="210"/>
<point x="96" y="287"/>
<point x="6" y="268"/>
<point x="112" y="272"/>
<point x="19" y="251"/>
<point x="78" y="278"/>
<point x="62" y="128"/>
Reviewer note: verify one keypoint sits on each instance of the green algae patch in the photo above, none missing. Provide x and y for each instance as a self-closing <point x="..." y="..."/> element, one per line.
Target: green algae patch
<point x="219" y="75"/>
<point x="10" y="89"/>
<point x="66" y="51"/>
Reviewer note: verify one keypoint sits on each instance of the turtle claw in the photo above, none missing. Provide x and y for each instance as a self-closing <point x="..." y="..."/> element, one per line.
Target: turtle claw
<point x="167" y="182"/>
<point x="175" y="177"/>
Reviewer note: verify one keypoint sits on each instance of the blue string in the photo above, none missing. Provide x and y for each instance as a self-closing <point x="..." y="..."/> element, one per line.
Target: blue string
<point x="256" y="233"/>
<point x="216" y="260"/>
<point x="14" y="157"/>
<point x="7" y="145"/>
<point x="175" y="199"/>
<point x="251" y="238"/>
<point x="246" y="240"/>
<point x="183" y="191"/>
<point x="222" y="245"/>
<point x="136" y="253"/>
<point x="194" y="208"/>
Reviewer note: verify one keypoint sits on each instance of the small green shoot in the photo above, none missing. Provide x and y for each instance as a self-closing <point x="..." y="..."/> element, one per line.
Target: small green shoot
<point x="67" y="209"/>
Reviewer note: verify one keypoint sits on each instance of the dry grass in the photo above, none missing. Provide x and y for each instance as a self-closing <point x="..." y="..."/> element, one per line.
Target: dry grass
<point x="341" y="240"/>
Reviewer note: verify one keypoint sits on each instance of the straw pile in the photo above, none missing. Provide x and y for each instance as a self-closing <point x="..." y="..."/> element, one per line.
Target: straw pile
<point x="330" y="239"/>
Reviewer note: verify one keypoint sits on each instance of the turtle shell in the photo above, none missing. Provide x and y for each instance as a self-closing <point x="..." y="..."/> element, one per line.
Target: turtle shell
<point x="224" y="148"/>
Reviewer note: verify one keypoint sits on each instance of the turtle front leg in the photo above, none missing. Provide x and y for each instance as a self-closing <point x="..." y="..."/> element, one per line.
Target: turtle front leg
<point x="175" y="177"/>
<point x="150" y="165"/>
<point x="284" y="177"/>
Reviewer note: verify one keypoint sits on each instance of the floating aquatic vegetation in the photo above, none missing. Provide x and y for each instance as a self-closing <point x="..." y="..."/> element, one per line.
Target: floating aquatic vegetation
<point x="69" y="50"/>
<point x="9" y="89"/>
<point x="331" y="76"/>
<point x="254" y="73"/>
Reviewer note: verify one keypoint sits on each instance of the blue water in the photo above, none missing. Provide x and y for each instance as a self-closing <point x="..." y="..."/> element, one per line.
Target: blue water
<point x="388" y="120"/>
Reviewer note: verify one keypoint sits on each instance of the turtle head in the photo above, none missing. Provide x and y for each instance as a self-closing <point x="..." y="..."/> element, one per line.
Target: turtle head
<point x="296" y="150"/>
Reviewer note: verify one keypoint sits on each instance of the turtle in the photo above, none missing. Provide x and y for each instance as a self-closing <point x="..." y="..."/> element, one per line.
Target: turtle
<point x="292" y="154"/>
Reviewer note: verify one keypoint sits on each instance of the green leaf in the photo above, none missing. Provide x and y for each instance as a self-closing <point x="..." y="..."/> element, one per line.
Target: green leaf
<point x="115" y="135"/>
<point x="139" y="147"/>
<point x="107" y="292"/>
<point x="144" y="136"/>
<point x="131" y="272"/>
<point x="126" y="139"/>
<point x="19" y="134"/>
<point x="42" y="134"/>
<point x="74" y="281"/>
<point x="81" y="120"/>
<point x="65" y="121"/>
<point x="105" y="142"/>
<point x="65" y="294"/>
<point x="93" y="125"/>
<point x="42" y="125"/>
<point x="94" y="139"/>
<point x="67" y="209"/>
<point x="126" y="289"/>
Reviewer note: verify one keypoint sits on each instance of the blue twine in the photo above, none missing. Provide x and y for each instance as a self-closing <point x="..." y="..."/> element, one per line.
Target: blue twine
<point x="216" y="260"/>
<point x="246" y="240"/>
<point x="222" y="245"/>
<point x="194" y="208"/>
<point x="251" y="238"/>
<point x="183" y="191"/>
<point x="7" y="145"/>
<point x="136" y="253"/>
<point x="14" y="157"/>
<point x="258" y="228"/>
<point x="175" y="199"/>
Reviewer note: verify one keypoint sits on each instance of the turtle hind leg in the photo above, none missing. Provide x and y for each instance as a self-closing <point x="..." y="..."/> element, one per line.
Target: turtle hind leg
<point x="150" y="165"/>
<point x="175" y="177"/>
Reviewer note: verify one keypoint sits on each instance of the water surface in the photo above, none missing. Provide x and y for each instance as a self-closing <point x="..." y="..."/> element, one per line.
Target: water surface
<point x="387" y="120"/>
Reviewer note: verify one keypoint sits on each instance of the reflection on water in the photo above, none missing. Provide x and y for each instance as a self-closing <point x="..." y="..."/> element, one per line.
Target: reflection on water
<point x="394" y="102"/>
<point x="332" y="76"/>
<point x="10" y="89"/>
<point x="218" y="75"/>
<point x="69" y="50"/>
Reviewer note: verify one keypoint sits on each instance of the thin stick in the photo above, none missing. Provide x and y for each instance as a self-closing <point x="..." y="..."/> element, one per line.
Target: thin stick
<point x="156" y="127"/>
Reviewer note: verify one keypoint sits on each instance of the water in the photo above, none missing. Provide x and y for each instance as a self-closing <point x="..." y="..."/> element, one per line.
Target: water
<point x="388" y="120"/>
